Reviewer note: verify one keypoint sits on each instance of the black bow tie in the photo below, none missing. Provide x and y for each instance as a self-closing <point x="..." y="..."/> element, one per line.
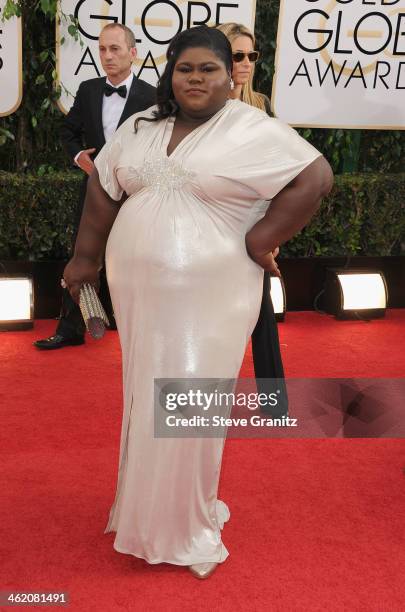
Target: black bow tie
<point x="121" y="91"/>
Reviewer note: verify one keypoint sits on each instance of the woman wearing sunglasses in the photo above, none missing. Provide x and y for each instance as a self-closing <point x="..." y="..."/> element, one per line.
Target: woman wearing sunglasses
<point x="265" y="342"/>
<point x="244" y="58"/>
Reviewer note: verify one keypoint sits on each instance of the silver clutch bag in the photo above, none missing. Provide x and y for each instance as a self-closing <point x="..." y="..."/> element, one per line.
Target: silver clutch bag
<point x="92" y="311"/>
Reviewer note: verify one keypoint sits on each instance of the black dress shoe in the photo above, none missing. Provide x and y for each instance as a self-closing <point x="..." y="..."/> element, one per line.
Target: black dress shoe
<point x="57" y="341"/>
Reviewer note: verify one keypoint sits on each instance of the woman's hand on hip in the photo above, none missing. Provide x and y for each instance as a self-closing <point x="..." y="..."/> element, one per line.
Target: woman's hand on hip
<point x="267" y="261"/>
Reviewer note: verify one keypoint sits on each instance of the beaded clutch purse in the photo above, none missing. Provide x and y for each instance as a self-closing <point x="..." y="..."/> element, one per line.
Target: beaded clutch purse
<point x="92" y="311"/>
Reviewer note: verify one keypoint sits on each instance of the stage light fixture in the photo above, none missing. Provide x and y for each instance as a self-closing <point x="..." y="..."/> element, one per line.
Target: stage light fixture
<point x="16" y="302"/>
<point x="356" y="293"/>
<point x="277" y="294"/>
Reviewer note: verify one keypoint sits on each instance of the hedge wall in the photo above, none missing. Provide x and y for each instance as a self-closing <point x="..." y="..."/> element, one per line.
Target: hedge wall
<point x="36" y="215"/>
<point x="363" y="215"/>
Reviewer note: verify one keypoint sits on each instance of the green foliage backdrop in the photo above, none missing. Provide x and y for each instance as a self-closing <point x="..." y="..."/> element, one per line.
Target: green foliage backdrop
<point x="364" y="215"/>
<point x="27" y="137"/>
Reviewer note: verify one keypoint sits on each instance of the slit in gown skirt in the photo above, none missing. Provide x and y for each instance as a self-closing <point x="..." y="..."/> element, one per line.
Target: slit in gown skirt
<point x="186" y="298"/>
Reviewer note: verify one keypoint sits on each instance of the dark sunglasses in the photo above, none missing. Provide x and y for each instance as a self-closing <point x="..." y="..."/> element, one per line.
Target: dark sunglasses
<point x="239" y="56"/>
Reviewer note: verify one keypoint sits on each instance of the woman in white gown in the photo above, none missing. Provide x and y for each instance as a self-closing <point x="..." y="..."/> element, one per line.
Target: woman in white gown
<point x="182" y="200"/>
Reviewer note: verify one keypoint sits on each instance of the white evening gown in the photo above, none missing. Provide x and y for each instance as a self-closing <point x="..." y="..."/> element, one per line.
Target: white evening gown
<point x="186" y="297"/>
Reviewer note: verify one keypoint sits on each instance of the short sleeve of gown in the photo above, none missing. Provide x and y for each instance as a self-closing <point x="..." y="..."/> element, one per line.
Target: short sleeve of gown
<point x="106" y="163"/>
<point x="108" y="160"/>
<point x="273" y="156"/>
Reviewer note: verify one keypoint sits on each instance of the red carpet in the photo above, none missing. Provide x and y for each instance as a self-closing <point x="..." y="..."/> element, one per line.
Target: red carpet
<point x="315" y="524"/>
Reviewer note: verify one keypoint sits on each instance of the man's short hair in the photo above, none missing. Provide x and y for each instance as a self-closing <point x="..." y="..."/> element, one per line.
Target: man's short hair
<point x="129" y="35"/>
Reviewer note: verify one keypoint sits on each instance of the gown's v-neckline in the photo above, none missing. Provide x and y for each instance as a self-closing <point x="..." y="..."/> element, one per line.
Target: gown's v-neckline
<point x="169" y="126"/>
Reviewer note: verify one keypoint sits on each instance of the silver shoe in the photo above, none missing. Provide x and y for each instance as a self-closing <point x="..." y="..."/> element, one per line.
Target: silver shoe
<point x="202" y="570"/>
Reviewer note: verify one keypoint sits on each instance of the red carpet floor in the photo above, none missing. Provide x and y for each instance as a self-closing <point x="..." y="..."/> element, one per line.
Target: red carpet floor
<point x="315" y="524"/>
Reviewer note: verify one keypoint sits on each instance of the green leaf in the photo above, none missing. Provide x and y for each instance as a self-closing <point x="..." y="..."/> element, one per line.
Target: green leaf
<point x="11" y="9"/>
<point x="46" y="6"/>
<point x="40" y="79"/>
<point x="6" y="134"/>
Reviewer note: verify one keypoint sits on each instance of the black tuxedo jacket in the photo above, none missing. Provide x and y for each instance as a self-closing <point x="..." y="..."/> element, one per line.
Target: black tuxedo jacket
<point x="83" y="129"/>
<point x="83" y="126"/>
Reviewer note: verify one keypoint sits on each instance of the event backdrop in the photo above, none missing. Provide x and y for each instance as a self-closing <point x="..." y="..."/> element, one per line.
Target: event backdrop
<point x="341" y="63"/>
<point x="154" y="22"/>
<point x="10" y="64"/>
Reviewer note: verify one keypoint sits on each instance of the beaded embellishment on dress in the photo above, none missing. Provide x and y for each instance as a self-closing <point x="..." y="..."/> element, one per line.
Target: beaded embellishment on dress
<point x="161" y="174"/>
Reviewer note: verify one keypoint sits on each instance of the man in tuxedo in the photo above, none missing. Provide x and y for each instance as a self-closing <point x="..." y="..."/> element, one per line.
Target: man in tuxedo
<point x="100" y="106"/>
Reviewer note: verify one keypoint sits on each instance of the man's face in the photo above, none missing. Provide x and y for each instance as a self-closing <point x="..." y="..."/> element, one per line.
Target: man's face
<point x="115" y="55"/>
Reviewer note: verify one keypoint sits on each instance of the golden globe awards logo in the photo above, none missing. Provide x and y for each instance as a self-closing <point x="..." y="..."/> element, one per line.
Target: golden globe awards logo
<point x="372" y="35"/>
<point x="344" y="60"/>
<point x="154" y="23"/>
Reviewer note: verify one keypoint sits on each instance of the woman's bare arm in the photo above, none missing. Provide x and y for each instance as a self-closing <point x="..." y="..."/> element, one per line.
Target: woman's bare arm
<point x="99" y="213"/>
<point x="290" y="210"/>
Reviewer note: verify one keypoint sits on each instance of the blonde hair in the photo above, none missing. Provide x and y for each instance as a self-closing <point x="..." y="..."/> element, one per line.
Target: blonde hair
<point x="249" y="95"/>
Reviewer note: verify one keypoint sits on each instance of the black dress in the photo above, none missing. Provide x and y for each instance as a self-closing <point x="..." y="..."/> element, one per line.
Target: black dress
<point x="266" y="352"/>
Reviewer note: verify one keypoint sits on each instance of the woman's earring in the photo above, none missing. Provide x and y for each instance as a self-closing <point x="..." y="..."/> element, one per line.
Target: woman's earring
<point x="232" y="84"/>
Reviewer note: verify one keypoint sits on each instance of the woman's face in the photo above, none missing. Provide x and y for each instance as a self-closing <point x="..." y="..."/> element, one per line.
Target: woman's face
<point x="200" y="82"/>
<point x="242" y="70"/>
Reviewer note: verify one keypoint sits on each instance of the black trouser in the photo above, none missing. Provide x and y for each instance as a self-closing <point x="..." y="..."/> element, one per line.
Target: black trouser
<point x="71" y="321"/>
<point x="267" y="355"/>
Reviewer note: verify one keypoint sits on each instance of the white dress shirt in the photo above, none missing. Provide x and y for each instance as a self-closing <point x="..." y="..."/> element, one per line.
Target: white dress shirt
<point x="113" y="107"/>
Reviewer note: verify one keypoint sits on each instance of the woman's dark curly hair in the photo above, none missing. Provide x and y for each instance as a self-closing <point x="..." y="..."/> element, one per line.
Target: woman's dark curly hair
<point x="201" y="36"/>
